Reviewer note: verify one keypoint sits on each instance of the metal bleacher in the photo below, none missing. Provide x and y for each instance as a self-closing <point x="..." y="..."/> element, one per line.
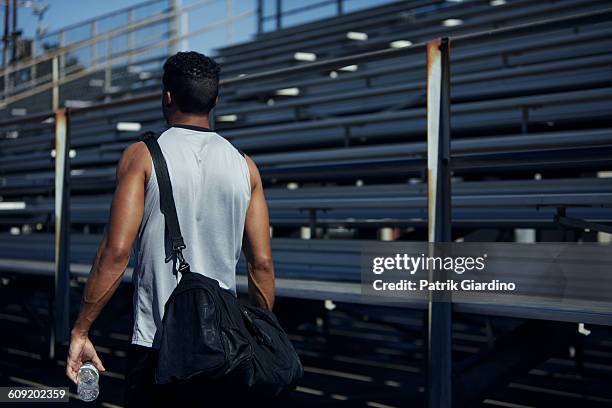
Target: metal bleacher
<point x="523" y="103"/>
<point x="341" y="141"/>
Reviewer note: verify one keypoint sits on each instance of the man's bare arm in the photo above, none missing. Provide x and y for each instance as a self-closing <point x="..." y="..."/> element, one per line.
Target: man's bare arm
<point x="113" y="253"/>
<point x="256" y="244"/>
<point x="112" y="256"/>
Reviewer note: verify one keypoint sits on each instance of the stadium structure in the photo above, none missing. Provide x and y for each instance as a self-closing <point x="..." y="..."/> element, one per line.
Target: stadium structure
<point x="337" y="112"/>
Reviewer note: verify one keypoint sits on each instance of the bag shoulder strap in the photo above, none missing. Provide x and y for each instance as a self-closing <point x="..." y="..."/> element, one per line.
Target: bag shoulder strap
<point x="166" y="199"/>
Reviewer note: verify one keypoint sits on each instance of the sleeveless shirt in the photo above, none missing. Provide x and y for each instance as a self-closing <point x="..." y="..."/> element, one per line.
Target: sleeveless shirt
<point x="211" y="188"/>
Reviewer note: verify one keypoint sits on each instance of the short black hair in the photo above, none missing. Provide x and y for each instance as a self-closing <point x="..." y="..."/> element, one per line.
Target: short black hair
<point x="193" y="80"/>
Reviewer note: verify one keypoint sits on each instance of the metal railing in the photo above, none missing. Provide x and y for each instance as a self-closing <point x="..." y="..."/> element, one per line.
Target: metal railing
<point x="61" y="52"/>
<point x="101" y="51"/>
<point x="324" y="8"/>
<point x="102" y="24"/>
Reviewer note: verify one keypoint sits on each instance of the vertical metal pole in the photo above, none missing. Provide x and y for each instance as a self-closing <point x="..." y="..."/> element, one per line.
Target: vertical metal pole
<point x="55" y="79"/>
<point x="230" y="28"/>
<point x="130" y="17"/>
<point x="259" y="16"/>
<point x="108" y="70"/>
<point x="279" y="14"/>
<point x="62" y="228"/>
<point x="212" y="119"/>
<point x="439" y="389"/>
<point x="312" y="222"/>
<point x="177" y="28"/>
<point x="185" y="31"/>
<point x="5" y="38"/>
<point x="14" y="31"/>
<point x="94" y="46"/>
<point x="33" y="74"/>
<point x="340" y="6"/>
<point x="62" y="56"/>
<point x="5" y="51"/>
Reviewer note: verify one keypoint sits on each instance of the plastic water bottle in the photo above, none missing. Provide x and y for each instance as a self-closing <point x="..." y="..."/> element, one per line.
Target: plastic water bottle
<point x="87" y="382"/>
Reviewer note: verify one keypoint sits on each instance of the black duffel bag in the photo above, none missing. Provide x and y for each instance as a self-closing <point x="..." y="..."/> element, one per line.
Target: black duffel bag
<point x="207" y="333"/>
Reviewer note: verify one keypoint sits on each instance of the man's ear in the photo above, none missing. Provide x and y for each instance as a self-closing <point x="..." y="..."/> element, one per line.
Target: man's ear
<point x="167" y="98"/>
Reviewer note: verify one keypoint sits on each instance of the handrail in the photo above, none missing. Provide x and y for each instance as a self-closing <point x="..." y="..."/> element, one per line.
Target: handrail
<point x="100" y="17"/>
<point x="21" y="65"/>
<point x="112" y="61"/>
<point x="100" y="37"/>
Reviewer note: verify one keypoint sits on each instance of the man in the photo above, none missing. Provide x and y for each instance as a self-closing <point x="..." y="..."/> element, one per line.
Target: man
<point x="221" y="209"/>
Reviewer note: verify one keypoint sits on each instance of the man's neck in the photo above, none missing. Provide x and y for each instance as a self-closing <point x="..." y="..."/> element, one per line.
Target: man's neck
<point x="191" y="120"/>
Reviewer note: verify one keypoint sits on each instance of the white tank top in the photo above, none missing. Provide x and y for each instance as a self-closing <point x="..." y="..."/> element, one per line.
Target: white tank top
<point x="211" y="188"/>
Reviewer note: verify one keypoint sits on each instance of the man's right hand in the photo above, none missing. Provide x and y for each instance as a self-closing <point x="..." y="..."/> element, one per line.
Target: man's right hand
<point x="81" y="349"/>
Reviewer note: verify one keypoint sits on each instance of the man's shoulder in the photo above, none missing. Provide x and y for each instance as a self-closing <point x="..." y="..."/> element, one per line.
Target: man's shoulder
<point x="136" y="150"/>
<point x="135" y="157"/>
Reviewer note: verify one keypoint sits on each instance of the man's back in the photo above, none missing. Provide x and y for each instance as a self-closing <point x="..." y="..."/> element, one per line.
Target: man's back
<point x="211" y="188"/>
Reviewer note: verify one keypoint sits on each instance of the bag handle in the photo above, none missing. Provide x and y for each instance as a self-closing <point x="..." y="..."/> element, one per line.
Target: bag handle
<point x="166" y="199"/>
